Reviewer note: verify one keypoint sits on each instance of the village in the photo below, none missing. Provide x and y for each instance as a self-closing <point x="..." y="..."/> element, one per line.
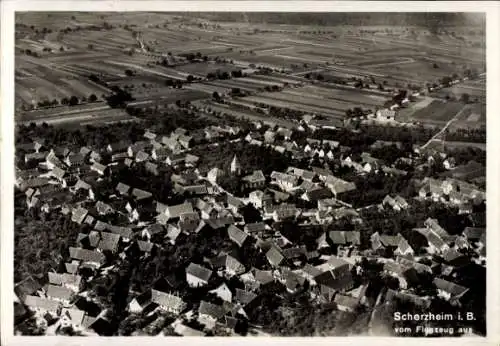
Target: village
<point x="243" y="239"/>
<point x="250" y="174"/>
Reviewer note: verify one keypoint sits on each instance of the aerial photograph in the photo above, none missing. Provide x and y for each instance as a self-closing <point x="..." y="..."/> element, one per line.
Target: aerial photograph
<point x="250" y="174"/>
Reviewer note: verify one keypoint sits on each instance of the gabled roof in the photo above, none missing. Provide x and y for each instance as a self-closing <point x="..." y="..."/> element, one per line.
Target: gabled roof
<point x="167" y="300"/>
<point x="59" y="292"/>
<point x="337" y="237"/>
<point x="42" y="303"/>
<point x="175" y="211"/>
<point x="244" y="297"/>
<point x="109" y="241"/>
<point x="122" y="188"/>
<point x="234" y="201"/>
<point x="346" y="301"/>
<point x="86" y="255"/>
<point x="212" y="310"/>
<point x="173" y="232"/>
<point x="125" y="232"/>
<point x="474" y="233"/>
<point x="353" y="237"/>
<point x="64" y="279"/>
<point x="78" y="214"/>
<point x="294" y="252"/>
<point x="450" y="287"/>
<point x="284" y="178"/>
<point x="198" y="271"/>
<point x="236" y="235"/>
<point x="255" y="227"/>
<point x="139" y="194"/>
<point x="263" y="276"/>
<point x="58" y="173"/>
<point x="434" y="225"/>
<point x="274" y="256"/>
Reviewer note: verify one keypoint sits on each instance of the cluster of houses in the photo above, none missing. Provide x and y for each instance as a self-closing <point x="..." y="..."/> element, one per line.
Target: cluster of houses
<point x="131" y="219"/>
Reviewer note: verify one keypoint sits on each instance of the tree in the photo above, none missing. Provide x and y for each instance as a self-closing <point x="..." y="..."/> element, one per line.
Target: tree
<point x="465" y="98"/>
<point x="129" y="73"/>
<point x="73" y="101"/>
<point x="434" y="65"/>
<point x="190" y="78"/>
<point x="92" y="98"/>
<point x="216" y="96"/>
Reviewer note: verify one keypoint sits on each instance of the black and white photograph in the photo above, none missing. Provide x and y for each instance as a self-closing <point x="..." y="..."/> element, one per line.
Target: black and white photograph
<point x="272" y="174"/>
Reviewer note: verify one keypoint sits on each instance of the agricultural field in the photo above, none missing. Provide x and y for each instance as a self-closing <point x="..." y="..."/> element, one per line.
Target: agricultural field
<point x="70" y="47"/>
<point x="471" y="117"/>
<point x="438" y="112"/>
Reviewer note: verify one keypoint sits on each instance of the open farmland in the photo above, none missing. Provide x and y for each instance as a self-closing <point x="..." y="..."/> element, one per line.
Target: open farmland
<point x="438" y="112"/>
<point x="150" y="55"/>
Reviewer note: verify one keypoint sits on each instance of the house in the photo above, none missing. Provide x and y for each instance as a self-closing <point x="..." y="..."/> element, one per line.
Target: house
<point x="75" y="160"/>
<point x="214" y="175"/>
<point x="282" y="211"/>
<point x="233" y="203"/>
<point x="185" y="141"/>
<point x="317" y="193"/>
<point x="188" y="222"/>
<point x="183" y="330"/>
<point x="435" y="243"/>
<point x="99" y="168"/>
<point x="87" y="256"/>
<point x="223" y="292"/>
<point x="140" y="303"/>
<point x="172" y="233"/>
<point x="52" y="161"/>
<point x="269" y="136"/>
<point x="149" y="135"/>
<point x="73" y="318"/>
<point x="302" y="173"/>
<point x="346" y="303"/>
<point x="286" y="133"/>
<point x="160" y="154"/>
<point x="237" y="235"/>
<point x="404" y="249"/>
<point x="434" y="226"/>
<point x="191" y="160"/>
<point x="175" y="211"/>
<point x="285" y="181"/>
<point x="73" y="282"/>
<point x="109" y="241"/>
<point x="140" y="195"/>
<point x="59" y="293"/>
<point x="229" y="264"/>
<point x="171" y="144"/>
<point x="209" y="313"/>
<point x="254" y="181"/>
<point x="257" y="227"/>
<point x="197" y="275"/>
<point x="449" y="290"/>
<point x="117" y="147"/>
<point x="168" y="302"/>
<point x="78" y="215"/>
<point x="274" y="256"/>
<point x="339" y="186"/>
<point x="42" y="305"/>
<point x="475" y="234"/>
<point x="259" y="199"/>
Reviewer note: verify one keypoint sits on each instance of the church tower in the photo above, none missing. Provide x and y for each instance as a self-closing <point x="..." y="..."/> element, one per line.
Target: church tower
<point x="235" y="166"/>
